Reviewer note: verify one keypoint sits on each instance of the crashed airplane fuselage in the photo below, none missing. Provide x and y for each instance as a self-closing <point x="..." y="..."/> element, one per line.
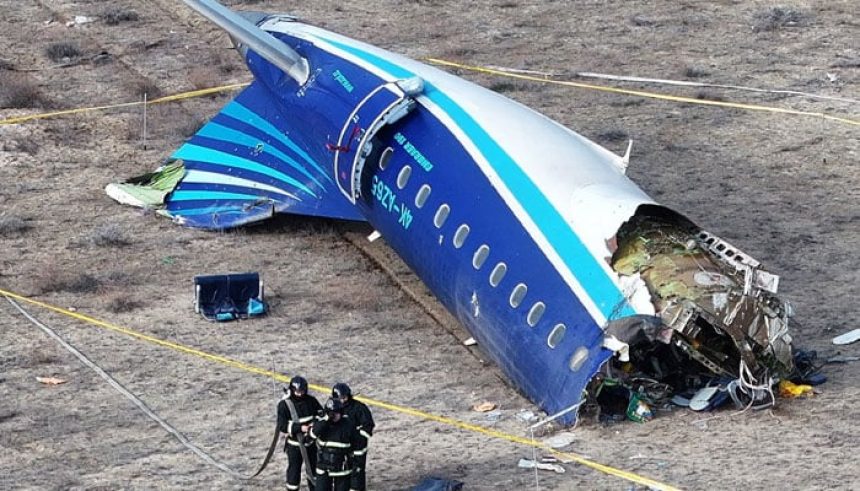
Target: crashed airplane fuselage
<point x="530" y="234"/>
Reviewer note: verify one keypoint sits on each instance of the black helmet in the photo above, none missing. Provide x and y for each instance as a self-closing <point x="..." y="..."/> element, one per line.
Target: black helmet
<point x="333" y="406"/>
<point x="341" y="390"/>
<point x="299" y="383"/>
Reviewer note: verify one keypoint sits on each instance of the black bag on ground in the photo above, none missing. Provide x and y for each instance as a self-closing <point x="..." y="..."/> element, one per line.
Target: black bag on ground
<point x="227" y="297"/>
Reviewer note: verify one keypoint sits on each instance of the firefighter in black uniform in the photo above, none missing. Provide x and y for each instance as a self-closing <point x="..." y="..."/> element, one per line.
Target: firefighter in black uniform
<point x="336" y="439"/>
<point x="360" y="415"/>
<point x="297" y="428"/>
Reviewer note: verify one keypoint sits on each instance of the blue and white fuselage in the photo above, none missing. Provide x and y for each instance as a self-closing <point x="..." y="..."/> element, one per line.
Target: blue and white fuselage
<point x="507" y="216"/>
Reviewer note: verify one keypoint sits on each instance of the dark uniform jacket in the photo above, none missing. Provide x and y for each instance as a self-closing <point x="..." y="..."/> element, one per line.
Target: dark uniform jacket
<point x="360" y="415"/>
<point x="335" y="443"/>
<point x="307" y="408"/>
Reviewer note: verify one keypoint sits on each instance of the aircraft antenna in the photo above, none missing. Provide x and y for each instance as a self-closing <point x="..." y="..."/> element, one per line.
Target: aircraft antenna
<point x="254" y="38"/>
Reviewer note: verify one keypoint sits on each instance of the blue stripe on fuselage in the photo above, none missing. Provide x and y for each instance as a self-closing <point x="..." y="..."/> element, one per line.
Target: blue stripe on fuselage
<point x="223" y="133"/>
<point x="191" y="151"/>
<point x="239" y="112"/>
<point x="561" y="237"/>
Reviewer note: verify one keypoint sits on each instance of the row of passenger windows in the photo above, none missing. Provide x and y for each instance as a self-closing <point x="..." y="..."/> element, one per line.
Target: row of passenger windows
<point x="480" y="256"/>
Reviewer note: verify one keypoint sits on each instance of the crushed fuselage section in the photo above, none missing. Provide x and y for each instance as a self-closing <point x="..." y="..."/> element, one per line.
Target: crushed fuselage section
<point x="716" y="317"/>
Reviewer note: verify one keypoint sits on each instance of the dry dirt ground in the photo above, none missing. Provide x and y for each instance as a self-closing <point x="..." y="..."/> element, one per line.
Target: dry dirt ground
<point x="783" y="188"/>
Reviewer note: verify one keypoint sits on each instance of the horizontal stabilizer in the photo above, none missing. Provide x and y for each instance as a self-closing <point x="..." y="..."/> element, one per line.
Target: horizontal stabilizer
<point x="251" y="36"/>
<point x="244" y="165"/>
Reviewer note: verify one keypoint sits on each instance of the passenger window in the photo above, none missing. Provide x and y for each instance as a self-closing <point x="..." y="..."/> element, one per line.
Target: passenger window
<point x="497" y="274"/>
<point x="535" y="313"/>
<point x="578" y="358"/>
<point x="441" y="216"/>
<point x="422" y="196"/>
<point x="460" y="235"/>
<point x="518" y="295"/>
<point x="480" y="256"/>
<point x="403" y="176"/>
<point x="556" y="335"/>
<point x="385" y="158"/>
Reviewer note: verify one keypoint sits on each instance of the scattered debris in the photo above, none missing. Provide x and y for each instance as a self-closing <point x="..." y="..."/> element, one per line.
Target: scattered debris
<point x="638" y="410"/>
<point x="842" y="359"/>
<point x="718" y="329"/>
<point x="79" y="20"/>
<point x="559" y="458"/>
<point x="791" y="390"/>
<point x="148" y="190"/>
<point x="527" y="416"/>
<point x="470" y="342"/>
<point x="493" y="416"/>
<point x="679" y="400"/>
<point x="707" y="398"/>
<point x="484" y="407"/>
<point x="531" y="464"/>
<point x="847" y="338"/>
<point x="806" y="370"/>
<point x="51" y="380"/>
<point x="559" y="440"/>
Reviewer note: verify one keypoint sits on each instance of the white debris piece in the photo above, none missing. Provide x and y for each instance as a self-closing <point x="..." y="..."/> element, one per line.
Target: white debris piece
<point x="847" y="338"/>
<point x="559" y="440"/>
<point x="531" y="464"/>
<point x="78" y="20"/>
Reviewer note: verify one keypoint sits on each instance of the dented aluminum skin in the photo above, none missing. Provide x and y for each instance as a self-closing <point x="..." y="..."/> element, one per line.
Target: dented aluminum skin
<point x="713" y="303"/>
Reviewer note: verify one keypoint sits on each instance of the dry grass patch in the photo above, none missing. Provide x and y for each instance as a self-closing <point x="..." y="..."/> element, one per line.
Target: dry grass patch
<point x="12" y="225"/>
<point x="41" y="356"/>
<point x="118" y="15"/>
<point x="779" y="17"/>
<point x="19" y="92"/>
<point x="145" y="86"/>
<point x="108" y="235"/>
<point x="203" y="77"/>
<point x="63" y="52"/>
<point x="121" y="303"/>
<point x="53" y="278"/>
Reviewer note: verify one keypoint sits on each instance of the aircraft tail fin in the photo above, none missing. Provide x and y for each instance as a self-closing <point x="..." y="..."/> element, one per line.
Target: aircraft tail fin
<point x="246" y="164"/>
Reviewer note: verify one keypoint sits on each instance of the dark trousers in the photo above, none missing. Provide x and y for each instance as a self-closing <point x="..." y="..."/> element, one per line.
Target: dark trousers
<point x="328" y="483"/>
<point x="294" y="466"/>
<point x="358" y="482"/>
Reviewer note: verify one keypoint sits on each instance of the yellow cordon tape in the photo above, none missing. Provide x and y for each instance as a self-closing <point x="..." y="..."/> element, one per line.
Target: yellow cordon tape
<point x="491" y="71"/>
<point x="372" y="402"/>
<point x="638" y="93"/>
<point x="160" y="100"/>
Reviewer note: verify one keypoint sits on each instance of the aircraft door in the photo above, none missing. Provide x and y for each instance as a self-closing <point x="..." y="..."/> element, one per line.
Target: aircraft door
<point x="386" y="104"/>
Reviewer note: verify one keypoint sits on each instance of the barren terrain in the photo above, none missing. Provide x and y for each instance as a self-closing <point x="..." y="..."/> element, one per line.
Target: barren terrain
<point x="783" y="188"/>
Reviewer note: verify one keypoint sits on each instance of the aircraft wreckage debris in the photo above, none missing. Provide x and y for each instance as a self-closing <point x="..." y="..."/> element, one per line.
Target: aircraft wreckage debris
<point x="847" y="338"/>
<point x="587" y="294"/>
